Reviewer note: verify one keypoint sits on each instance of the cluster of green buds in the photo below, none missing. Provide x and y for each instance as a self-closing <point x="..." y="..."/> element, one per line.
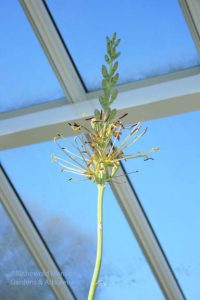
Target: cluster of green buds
<point x="101" y="150"/>
<point x="110" y="75"/>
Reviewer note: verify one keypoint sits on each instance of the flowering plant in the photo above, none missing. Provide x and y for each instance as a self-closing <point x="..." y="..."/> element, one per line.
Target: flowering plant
<point x="100" y="148"/>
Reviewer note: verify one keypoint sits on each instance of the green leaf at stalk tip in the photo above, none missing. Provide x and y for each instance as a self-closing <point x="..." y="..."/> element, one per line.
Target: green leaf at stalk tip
<point x="104" y="72"/>
<point x="110" y="77"/>
<point x="107" y="40"/>
<point x="117" y="42"/>
<point x="114" y="37"/>
<point x="108" y="45"/>
<point x="117" y="55"/>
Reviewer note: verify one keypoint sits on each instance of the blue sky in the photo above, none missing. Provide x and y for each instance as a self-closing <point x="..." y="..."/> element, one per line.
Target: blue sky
<point x="64" y="212"/>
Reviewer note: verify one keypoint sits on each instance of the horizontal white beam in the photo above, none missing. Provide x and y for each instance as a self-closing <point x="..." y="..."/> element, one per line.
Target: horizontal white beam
<point x="52" y="44"/>
<point x="146" y="238"/>
<point x="32" y="239"/>
<point x="146" y="103"/>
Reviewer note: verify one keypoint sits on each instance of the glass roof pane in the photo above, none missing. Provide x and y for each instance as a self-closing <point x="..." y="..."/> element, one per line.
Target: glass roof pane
<point x="26" y="76"/>
<point x="65" y="213"/>
<point x="20" y="278"/>
<point x="155" y="37"/>
<point x="169" y="191"/>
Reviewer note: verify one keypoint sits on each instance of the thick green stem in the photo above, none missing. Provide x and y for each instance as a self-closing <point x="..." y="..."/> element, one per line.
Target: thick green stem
<point x="95" y="277"/>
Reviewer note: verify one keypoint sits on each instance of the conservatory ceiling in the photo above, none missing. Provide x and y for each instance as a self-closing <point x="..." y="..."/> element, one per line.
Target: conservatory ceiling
<point x="51" y="56"/>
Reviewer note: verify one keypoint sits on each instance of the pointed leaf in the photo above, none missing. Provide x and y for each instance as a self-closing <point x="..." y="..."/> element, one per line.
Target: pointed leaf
<point x="117" y="42"/>
<point x="106" y="58"/>
<point x="114" y="37"/>
<point x="108" y="44"/>
<point x="104" y="72"/>
<point x="117" y="55"/>
<point x="115" y="79"/>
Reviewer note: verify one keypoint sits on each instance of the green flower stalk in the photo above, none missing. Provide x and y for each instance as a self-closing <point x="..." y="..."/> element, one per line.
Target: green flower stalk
<point x="100" y="153"/>
<point x="101" y="188"/>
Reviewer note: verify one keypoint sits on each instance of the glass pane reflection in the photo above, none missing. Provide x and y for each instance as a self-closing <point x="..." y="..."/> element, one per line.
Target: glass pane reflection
<point x="20" y="277"/>
<point x="155" y="37"/>
<point x="26" y="76"/>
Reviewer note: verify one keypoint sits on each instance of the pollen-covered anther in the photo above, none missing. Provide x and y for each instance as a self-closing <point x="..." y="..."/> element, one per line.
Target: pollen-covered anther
<point x="145" y="131"/>
<point x="112" y="127"/>
<point x="120" y="153"/>
<point x="93" y="145"/>
<point x="89" y="164"/>
<point x="75" y="126"/>
<point x="117" y="134"/>
<point x="148" y="158"/>
<point x="89" y="119"/>
<point x="134" y="131"/>
<point x="89" y="176"/>
<point x="58" y="135"/>
<point x="123" y="116"/>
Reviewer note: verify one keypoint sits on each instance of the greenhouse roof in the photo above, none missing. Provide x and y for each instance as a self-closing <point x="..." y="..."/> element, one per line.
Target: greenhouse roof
<point x="51" y="56"/>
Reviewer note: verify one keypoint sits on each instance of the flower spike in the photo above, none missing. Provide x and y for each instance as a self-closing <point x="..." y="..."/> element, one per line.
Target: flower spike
<point x="99" y="154"/>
